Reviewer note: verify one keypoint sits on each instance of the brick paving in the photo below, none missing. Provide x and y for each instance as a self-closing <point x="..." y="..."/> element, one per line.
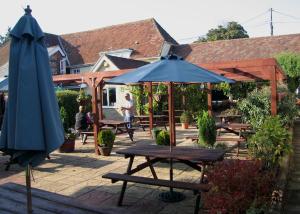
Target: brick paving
<point x="78" y="175"/>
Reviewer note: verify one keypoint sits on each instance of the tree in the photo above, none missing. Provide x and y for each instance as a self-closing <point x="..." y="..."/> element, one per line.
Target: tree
<point x="232" y="30"/>
<point x="4" y="38"/>
<point x="290" y="62"/>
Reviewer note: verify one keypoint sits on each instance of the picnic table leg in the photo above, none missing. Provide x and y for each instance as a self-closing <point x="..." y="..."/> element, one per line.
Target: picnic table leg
<point x="125" y="182"/>
<point x="198" y="198"/>
<point x="151" y="168"/>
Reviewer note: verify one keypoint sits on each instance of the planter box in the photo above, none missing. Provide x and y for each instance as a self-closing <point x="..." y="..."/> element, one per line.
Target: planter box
<point x="105" y="151"/>
<point x="68" y="146"/>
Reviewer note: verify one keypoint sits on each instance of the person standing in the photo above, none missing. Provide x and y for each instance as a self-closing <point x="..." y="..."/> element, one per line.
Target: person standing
<point x="128" y="110"/>
<point x="81" y="123"/>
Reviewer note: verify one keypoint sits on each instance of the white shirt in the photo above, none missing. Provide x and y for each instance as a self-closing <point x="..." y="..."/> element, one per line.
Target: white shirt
<point x="128" y="104"/>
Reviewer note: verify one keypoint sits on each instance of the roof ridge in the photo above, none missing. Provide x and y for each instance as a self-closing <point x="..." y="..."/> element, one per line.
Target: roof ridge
<point x="108" y="27"/>
<point x="162" y="31"/>
<point x="238" y="39"/>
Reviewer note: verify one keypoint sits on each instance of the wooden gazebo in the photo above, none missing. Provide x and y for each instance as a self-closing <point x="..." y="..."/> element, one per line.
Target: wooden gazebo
<point x="244" y="70"/>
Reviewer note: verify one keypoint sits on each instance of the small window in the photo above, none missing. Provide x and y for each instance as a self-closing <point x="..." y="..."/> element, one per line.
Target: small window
<point x="76" y="71"/>
<point x="109" y="97"/>
<point x="63" y="66"/>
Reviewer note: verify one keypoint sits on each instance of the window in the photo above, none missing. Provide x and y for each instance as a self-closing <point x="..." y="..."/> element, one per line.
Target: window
<point x="109" y="97"/>
<point x="76" y="71"/>
<point x="63" y="66"/>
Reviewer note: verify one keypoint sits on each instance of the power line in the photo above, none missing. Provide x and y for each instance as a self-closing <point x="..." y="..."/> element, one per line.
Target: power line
<point x="287" y="15"/>
<point x="255" y="17"/>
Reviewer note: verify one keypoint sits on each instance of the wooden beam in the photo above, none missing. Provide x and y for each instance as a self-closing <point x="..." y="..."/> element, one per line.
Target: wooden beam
<point x="171" y="114"/>
<point x="273" y="85"/>
<point x="99" y="101"/>
<point x="96" y="116"/>
<point x="150" y="101"/>
<point x="209" y="98"/>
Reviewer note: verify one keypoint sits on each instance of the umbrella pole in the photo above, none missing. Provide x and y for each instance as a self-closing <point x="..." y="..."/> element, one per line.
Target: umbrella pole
<point x="28" y="188"/>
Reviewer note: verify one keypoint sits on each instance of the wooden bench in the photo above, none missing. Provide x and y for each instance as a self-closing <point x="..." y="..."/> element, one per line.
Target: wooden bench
<point x="196" y="188"/>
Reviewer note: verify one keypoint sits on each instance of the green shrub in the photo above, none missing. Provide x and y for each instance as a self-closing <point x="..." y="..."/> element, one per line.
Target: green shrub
<point x="67" y="99"/>
<point x="156" y="132"/>
<point x="64" y="118"/>
<point x="106" y="138"/>
<point x="271" y="142"/>
<point x="163" y="138"/>
<point x="257" y="107"/>
<point x="185" y="117"/>
<point x="207" y="129"/>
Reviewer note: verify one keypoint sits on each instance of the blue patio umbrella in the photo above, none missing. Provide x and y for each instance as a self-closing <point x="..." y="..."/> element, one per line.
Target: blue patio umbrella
<point x="171" y="69"/>
<point x="32" y="128"/>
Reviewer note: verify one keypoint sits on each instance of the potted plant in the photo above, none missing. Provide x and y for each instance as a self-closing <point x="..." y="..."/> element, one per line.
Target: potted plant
<point x="163" y="138"/>
<point x="106" y="140"/>
<point x="207" y="130"/>
<point x="70" y="134"/>
<point x="82" y="98"/>
<point x="185" y="119"/>
<point x="69" y="143"/>
<point x="155" y="132"/>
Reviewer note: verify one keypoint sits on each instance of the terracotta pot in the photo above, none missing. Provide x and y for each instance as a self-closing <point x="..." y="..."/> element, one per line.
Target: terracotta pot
<point x="105" y="150"/>
<point x="68" y="146"/>
<point x="185" y="125"/>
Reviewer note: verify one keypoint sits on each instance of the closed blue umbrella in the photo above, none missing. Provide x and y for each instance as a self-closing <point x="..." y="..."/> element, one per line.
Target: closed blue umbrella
<point x="32" y="127"/>
<point x="171" y="69"/>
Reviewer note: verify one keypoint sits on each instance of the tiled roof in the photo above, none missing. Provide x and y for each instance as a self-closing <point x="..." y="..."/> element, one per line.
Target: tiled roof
<point x="4" y="53"/>
<point x="238" y="49"/>
<point x="125" y="63"/>
<point x="145" y="37"/>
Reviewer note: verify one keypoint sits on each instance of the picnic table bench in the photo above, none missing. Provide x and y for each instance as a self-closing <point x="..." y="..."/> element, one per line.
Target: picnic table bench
<point x="196" y="158"/>
<point x="119" y="126"/>
<point x="158" y="120"/>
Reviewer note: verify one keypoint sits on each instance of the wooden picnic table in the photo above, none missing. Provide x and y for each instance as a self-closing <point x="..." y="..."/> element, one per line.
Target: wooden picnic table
<point x="235" y="128"/>
<point x="196" y="158"/>
<point x="119" y="126"/>
<point x="159" y="120"/>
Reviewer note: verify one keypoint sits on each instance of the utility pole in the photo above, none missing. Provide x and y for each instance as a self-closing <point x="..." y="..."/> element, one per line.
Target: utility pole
<point x="271" y="21"/>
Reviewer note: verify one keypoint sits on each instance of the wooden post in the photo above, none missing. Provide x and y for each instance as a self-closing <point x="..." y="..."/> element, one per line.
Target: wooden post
<point x="101" y="85"/>
<point x="150" y="101"/>
<point x="273" y="85"/>
<point x="96" y="114"/>
<point x="171" y="114"/>
<point x="141" y="88"/>
<point x="209" y="98"/>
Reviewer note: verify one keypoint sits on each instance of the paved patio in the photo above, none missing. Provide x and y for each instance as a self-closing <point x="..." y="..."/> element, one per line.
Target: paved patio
<point x="79" y="175"/>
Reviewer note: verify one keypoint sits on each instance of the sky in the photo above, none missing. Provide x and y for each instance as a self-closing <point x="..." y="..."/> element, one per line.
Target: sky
<point x="185" y="20"/>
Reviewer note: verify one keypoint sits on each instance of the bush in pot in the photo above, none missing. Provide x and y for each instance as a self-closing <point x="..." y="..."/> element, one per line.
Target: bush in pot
<point x="106" y="139"/>
<point x="185" y="119"/>
<point x="207" y="129"/>
<point x="70" y="135"/>
<point x="163" y="138"/>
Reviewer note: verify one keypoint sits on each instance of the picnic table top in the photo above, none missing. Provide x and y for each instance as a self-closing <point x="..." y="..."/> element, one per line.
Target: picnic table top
<point x="228" y="116"/>
<point x="113" y="122"/>
<point x="234" y="125"/>
<point x="178" y="152"/>
<point x="147" y="116"/>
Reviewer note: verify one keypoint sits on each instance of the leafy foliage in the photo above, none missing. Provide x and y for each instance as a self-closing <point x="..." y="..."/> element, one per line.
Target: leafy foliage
<point x="271" y="142"/>
<point x="67" y="99"/>
<point x="236" y="184"/>
<point x="207" y="129"/>
<point x="106" y="138"/>
<point x="163" y="138"/>
<point x="256" y="107"/>
<point x="185" y="117"/>
<point x="4" y="38"/>
<point x="237" y="90"/>
<point x="290" y="62"/>
<point x="232" y="30"/>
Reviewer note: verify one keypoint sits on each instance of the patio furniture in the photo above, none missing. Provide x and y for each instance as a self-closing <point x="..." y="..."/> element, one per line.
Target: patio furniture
<point x="196" y="158"/>
<point x="119" y="126"/>
<point x="236" y="128"/>
<point x="159" y="120"/>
